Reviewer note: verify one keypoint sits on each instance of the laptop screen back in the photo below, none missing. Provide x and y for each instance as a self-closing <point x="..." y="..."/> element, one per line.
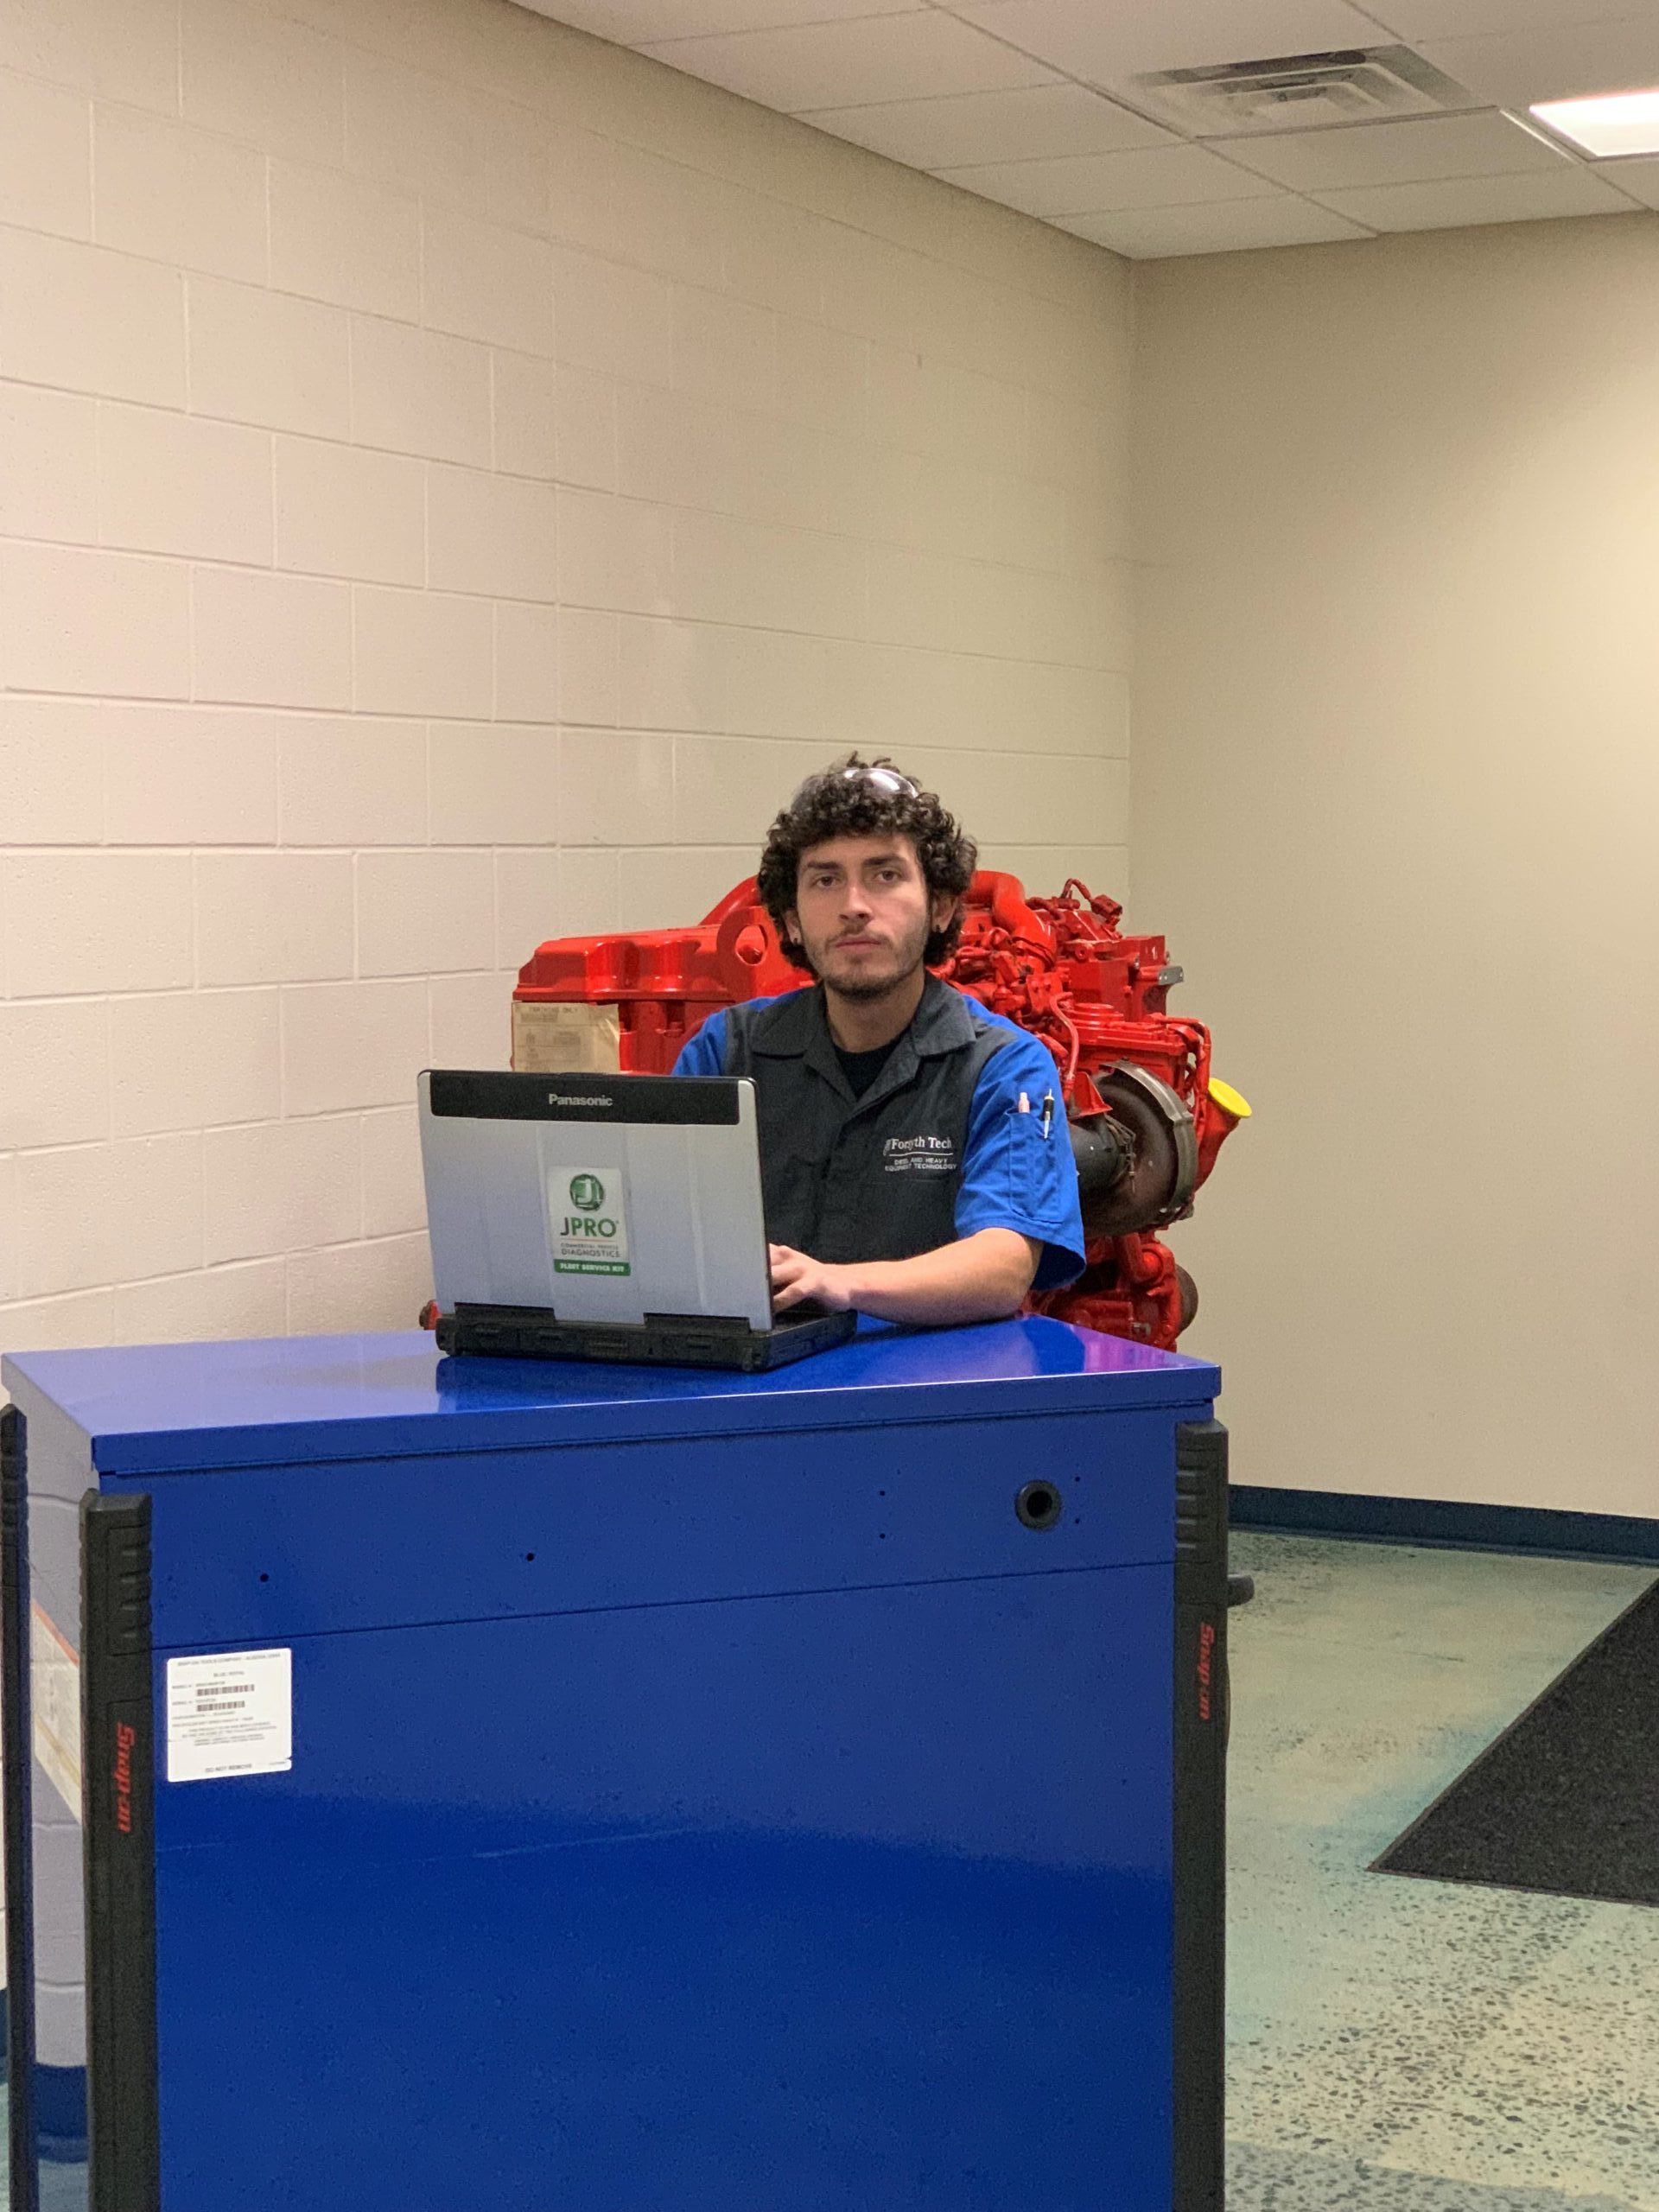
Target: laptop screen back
<point x="600" y="1197"/>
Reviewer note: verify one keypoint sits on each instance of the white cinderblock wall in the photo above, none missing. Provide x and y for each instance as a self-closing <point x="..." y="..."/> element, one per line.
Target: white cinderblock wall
<point x="455" y="477"/>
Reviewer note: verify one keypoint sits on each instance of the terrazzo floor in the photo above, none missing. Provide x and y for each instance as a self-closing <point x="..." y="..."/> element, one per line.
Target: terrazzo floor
<point x="1400" y="2045"/>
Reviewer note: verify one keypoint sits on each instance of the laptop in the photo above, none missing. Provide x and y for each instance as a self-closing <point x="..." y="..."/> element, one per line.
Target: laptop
<point x="604" y="1217"/>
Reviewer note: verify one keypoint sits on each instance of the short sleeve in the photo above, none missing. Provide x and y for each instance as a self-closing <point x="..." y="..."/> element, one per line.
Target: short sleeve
<point x="1015" y="1177"/>
<point x="705" y="1053"/>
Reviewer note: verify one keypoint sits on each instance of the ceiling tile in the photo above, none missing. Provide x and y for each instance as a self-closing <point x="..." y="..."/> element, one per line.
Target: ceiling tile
<point x="1156" y="177"/>
<point x="1108" y="41"/>
<point x="1154" y="233"/>
<point x="1398" y="153"/>
<point x="1553" y="63"/>
<point x="1437" y="19"/>
<point x="1639" y="178"/>
<point x="630" y="23"/>
<point x="840" y="65"/>
<point x="1018" y="126"/>
<point x="1570" y="190"/>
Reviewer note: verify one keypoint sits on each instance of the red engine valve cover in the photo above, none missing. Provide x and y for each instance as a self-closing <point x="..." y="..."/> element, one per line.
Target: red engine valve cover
<point x="1061" y="969"/>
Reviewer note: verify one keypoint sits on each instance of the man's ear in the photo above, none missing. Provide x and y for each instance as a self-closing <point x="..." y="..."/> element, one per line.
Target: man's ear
<point x="943" y="909"/>
<point x="790" y="931"/>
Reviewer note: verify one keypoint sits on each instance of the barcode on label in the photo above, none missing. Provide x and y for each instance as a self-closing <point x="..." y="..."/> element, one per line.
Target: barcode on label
<point x="229" y="1715"/>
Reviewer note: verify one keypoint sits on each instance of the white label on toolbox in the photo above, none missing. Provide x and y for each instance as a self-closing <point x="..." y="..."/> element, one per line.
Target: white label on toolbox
<point x="588" y="1213"/>
<point x="230" y="1713"/>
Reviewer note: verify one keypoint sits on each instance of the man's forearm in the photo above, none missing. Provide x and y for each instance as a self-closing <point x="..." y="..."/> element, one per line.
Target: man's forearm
<point x="980" y="1278"/>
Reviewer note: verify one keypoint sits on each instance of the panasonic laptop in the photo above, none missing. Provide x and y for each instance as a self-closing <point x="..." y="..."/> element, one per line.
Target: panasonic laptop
<point x="604" y="1217"/>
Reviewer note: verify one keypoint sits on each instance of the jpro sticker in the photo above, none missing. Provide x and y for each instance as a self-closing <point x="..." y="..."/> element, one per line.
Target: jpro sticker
<point x="229" y="1714"/>
<point x="587" y="1214"/>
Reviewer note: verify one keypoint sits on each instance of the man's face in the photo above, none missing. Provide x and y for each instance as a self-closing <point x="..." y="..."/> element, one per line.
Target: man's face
<point x="863" y="913"/>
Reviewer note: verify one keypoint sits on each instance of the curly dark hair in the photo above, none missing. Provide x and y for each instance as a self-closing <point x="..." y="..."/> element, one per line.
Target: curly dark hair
<point x="863" y="798"/>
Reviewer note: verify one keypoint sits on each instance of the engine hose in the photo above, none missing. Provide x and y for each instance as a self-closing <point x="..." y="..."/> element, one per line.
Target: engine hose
<point x="1104" y="1153"/>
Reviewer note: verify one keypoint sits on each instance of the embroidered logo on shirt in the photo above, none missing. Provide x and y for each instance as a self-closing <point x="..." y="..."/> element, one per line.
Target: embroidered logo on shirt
<point x="918" y="1155"/>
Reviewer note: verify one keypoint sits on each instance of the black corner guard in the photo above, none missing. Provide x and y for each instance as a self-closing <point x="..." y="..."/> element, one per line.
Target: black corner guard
<point x="1201" y="1815"/>
<point x="119" y="1788"/>
<point x="15" y="1736"/>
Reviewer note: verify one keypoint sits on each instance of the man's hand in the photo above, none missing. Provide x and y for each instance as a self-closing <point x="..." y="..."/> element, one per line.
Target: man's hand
<point x="979" y="1278"/>
<point x="796" y="1277"/>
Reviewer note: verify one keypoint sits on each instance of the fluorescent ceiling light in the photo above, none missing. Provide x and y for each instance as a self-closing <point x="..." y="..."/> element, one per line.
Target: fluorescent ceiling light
<point x="1611" y="123"/>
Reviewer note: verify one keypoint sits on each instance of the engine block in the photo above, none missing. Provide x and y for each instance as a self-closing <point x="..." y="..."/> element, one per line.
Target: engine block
<point x="1147" y="1117"/>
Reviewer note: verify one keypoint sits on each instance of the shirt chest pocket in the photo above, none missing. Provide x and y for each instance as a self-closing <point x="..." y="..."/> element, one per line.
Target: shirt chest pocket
<point x="1021" y="1174"/>
<point x="1025" y="1155"/>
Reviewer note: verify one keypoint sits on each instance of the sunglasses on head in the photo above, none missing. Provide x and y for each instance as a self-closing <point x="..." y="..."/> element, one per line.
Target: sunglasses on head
<point x="885" y="779"/>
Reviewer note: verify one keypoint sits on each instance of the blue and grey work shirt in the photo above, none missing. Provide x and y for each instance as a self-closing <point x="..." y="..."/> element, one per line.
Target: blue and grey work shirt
<point x="935" y="1149"/>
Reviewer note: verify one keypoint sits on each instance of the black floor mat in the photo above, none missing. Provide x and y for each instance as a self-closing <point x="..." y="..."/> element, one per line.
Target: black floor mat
<point x="1567" y="1799"/>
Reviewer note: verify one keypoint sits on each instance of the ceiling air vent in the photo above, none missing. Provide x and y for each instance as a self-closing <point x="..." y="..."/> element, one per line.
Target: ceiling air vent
<point x="1299" y="91"/>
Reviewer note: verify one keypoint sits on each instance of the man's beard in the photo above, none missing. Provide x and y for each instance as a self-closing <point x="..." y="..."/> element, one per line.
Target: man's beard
<point x="863" y="991"/>
<point x="867" y="994"/>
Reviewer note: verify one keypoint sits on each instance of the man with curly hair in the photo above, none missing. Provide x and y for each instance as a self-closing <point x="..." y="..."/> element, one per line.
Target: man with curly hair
<point x="915" y="1152"/>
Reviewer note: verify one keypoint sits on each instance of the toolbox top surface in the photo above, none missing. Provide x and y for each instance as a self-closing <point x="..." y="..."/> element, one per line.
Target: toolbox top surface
<point x="155" y="1408"/>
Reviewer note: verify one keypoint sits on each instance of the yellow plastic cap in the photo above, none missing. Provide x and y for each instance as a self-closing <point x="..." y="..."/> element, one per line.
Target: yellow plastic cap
<point x="1230" y="1101"/>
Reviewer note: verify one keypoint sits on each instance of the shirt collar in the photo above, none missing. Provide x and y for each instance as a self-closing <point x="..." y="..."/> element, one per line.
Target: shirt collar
<point x="800" y="1029"/>
<point x="941" y="1022"/>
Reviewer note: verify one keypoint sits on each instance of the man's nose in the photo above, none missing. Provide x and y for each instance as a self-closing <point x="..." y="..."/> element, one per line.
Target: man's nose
<point x="854" y="904"/>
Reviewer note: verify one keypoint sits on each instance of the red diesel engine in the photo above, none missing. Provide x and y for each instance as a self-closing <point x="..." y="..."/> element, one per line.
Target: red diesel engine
<point x="1146" y="1117"/>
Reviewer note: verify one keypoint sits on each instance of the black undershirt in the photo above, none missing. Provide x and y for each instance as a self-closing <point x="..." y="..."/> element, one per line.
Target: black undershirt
<point x="860" y="1069"/>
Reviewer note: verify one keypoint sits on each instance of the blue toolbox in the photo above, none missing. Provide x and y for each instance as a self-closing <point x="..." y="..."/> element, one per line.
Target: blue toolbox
<point x="491" y="1786"/>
